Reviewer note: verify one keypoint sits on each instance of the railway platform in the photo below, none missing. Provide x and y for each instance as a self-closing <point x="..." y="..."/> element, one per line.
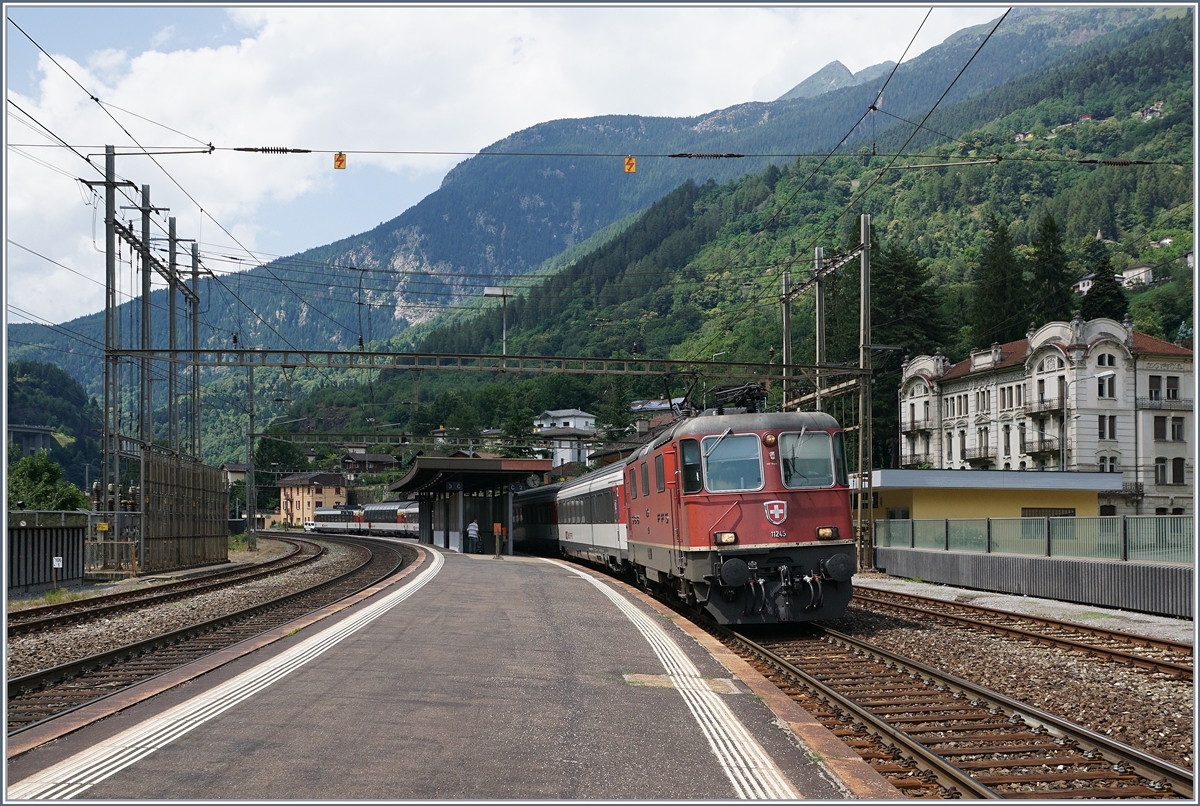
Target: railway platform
<point x="473" y="677"/>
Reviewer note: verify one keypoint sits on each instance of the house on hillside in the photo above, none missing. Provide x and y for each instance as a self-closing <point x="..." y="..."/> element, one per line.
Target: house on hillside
<point x="355" y="463"/>
<point x="1094" y="397"/>
<point x="1137" y="274"/>
<point x="567" y="433"/>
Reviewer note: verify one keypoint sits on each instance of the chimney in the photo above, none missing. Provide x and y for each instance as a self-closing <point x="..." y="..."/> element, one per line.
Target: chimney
<point x="1128" y="331"/>
<point x="643" y="427"/>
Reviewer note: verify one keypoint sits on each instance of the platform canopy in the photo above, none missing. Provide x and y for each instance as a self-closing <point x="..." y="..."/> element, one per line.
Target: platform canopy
<point x="445" y="474"/>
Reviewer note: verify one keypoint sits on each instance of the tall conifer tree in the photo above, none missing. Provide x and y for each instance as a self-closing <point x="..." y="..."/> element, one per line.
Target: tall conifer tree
<point x="1050" y="295"/>
<point x="1105" y="297"/>
<point x="1000" y="311"/>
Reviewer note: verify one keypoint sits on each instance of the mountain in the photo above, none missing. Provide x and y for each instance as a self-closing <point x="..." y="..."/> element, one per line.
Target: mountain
<point x="698" y="273"/>
<point x="506" y="212"/>
<point x="834" y="76"/>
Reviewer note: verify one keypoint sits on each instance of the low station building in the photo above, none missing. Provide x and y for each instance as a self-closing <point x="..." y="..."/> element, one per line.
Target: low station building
<point x="451" y="491"/>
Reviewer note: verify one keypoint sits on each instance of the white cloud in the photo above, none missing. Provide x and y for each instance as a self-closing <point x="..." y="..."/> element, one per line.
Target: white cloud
<point x="400" y="79"/>
<point x="162" y="37"/>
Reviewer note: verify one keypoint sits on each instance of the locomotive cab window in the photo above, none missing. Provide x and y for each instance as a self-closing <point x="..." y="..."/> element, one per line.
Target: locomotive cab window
<point x="645" y="479"/>
<point x="633" y="482"/>
<point x="807" y="459"/>
<point x="690" y="450"/>
<point x="732" y="463"/>
<point x="660" y="480"/>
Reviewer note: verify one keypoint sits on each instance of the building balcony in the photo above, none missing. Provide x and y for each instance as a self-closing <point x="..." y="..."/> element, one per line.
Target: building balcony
<point x="1048" y="404"/>
<point x="1045" y="446"/>
<point x="980" y="457"/>
<point x="917" y="459"/>
<point x="923" y="424"/>
<point x="1175" y="404"/>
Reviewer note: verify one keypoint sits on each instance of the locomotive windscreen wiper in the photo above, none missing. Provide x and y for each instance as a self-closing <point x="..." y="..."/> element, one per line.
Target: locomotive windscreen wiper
<point x="718" y="442"/>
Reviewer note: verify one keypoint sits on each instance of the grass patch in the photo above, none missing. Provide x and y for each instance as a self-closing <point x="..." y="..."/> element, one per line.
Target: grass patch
<point x="817" y="757"/>
<point x="914" y="579"/>
<point x="1095" y="615"/>
<point x="238" y="542"/>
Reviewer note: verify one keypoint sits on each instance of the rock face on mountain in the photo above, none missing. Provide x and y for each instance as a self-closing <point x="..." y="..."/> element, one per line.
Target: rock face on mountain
<point x="834" y="76"/>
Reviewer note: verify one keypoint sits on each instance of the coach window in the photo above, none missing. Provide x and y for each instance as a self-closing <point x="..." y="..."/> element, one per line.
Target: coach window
<point x="633" y="482"/>
<point x="689" y="449"/>
<point x="732" y="463"/>
<point x="660" y="481"/>
<point x="807" y="459"/>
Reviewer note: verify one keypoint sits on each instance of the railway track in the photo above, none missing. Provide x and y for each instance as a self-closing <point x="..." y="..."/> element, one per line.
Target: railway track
<point x="33" y="619"/>
<point x="1158" y="655"/>
<point x="937" y="736"/>
<point x="44" y="695"/>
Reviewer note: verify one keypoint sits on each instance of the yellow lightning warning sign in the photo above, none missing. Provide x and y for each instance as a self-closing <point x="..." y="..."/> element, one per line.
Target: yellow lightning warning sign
<point x="631" y="165"/>
<point x="339" y="160"/>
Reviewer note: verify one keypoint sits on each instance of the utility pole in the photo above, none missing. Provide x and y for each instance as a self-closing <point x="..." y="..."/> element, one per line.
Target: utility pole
<point x="173" y="441"/>
<point x="146" y="406"/>
<point x="819" y="356"/>
<point x="251" y="491"/>
<point x="865" y="521"/>
<point x="787" y="335"/>
<point x="196" y="350"/>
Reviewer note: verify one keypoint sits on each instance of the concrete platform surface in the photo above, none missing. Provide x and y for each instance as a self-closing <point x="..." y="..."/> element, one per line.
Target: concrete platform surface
<point x="477" y="678"/>
<point x="1171" y="629"/>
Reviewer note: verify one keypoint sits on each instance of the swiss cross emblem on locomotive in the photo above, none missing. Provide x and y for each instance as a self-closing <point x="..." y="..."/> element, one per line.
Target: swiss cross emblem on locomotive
<point x="776" y="511"/>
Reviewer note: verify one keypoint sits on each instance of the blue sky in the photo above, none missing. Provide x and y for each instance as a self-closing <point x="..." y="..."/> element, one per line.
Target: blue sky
<point x="376" y="79"/>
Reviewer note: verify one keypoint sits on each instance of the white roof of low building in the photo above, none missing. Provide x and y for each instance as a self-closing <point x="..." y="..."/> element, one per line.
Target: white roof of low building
<point x="565" y="413"/>
<point x="991" y="480"/>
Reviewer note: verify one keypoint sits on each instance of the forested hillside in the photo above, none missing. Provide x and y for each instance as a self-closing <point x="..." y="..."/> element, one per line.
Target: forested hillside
<point x="1106" y="145"/>
<point x="43" y="394"/>
<point x="500" y="215"/>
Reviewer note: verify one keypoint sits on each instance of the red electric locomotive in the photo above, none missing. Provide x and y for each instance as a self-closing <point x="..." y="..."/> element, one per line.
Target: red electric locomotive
<point x="745" y="516"/>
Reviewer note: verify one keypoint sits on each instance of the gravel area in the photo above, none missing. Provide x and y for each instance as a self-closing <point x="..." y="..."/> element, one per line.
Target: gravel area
<point x="1137" y="707"/>
<point x="37" y="651"/>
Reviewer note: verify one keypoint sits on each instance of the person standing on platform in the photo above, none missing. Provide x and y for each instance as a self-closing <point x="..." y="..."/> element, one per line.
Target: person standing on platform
<point x="473" y="537"/>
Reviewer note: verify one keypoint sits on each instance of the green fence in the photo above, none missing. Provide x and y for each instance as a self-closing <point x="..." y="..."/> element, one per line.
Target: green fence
<point x="1140" y="538"/>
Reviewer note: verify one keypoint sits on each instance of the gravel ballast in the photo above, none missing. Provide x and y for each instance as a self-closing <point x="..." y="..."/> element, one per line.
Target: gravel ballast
<point x="37" y="651"/>
<point x="1146" y="710"/>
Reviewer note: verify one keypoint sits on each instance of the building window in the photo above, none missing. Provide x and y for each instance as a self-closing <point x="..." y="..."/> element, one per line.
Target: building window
<point x="1172" y="387"/>
<point x="1107" y="426"/>
<point x="949" y="447"/>
<point x="926" y="410"/>
<point x="1160" y="470"/>
<point x="1177" y="429"/>
<point x="1160" y="428"/>
<point x="1041" y="390"/>
<point x="962" y="444"/>
<point x="1160" y="511"/>
<point x="320" y="504"/>
<point x="1007" y="435"/>
<point x="1156" y="387"/>
<point x="1177" y="470"/>
<point x="1106" y="360"/>
<point x="1108" y="509"/>
<point x="1106" y="387"/>
<point x="1021" y="438"/>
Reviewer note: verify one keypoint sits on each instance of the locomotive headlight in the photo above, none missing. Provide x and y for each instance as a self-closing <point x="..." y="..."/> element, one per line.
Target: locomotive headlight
<point x="769" y="440"/>
<point x="827" y="533"/>
<point x="725" y="538"/>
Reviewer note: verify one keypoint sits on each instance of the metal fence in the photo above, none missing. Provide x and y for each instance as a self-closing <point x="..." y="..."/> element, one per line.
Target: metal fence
<point x="45" y="549"/>
<point x="1137" y="538"/>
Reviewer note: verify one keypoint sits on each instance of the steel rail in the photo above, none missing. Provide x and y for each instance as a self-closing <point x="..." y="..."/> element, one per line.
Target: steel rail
<point x="1168" y="667"/>
<point x="947" y="773"/>
<point x="71" y="670"/>
<point x="59" y="615"/>
<point x="1143" y="763"/>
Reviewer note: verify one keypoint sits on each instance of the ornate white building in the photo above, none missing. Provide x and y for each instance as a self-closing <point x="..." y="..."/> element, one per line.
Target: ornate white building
<point x="1092" y="396"/>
